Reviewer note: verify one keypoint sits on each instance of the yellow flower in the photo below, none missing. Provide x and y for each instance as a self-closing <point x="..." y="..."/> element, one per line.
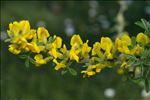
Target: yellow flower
<point x="58" y="65"/>
<point x="99" y="67"/>
<point x="85" y="49"/>
<point x="142" y="38"/>
<point x="64" y="49"/>
<point x="73" y="55"/>
<point x="88" y="73"/>
<point x="124" y="65"/>
<point x="126" y="39"/>
<point x="13" y="49"/>
<point x="76" y="39"/>
<point x="42" y="34"/>
<point x="58" y="42"/>
<point x="18" y="28"/>
<point x="122" y="44"/>
<point x="108" y="55"/>
<point x="93" y="69"/>
<point x="96" y="48"/>
<point x="107" y="45"/>
<point x="31" y="34"/>
<point x="39" y="60"/>
<point x="53" y="52"/>
<point x="34" y="47"/>
<point x="19" y="40"/>
<point x="137" y="50"/>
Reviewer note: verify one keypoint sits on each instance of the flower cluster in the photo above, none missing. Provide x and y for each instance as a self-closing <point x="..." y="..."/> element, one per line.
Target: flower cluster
<point x="43" y="48"/>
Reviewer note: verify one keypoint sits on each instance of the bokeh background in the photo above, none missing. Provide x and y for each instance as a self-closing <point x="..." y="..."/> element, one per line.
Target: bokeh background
<point x="90" y="19"/>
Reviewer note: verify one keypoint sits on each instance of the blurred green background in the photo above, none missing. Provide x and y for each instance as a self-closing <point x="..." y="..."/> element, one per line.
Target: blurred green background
<point x="90" y="19"/>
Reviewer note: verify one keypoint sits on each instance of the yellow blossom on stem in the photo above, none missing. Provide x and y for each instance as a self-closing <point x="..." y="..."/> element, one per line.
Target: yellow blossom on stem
<point x="42" y="34"/>
<point x="13" y="49"/>
<point x="122" y="44"/>
<point x="96" y="48"/>
<point x="85" y="49"/>
<point x="53" y="52"/>
<point x="107" y="45"/>
<point x="142" y="38"/>
<point x="33" y="47"/>
<point x="18" y="28"/>
<point x="39" y="60"/>
<point x="76" y="39"/>
<point x="93" y="69"/>
<point x="73" y="55"/>
<point x="64" y="49"/>
<point x="58" y="42"/>
<point x="124" y="65"/>
<point x="58" y="65"/>
<point x="137" y="50"/>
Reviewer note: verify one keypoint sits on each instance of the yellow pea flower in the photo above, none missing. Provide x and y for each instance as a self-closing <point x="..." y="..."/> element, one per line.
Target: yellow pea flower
<point x="85" y="49"/>
<point x="18" y="28"/>
<point x="13" y="49"/>
<point x="53" y="52"/>
<point x="31" y="34"/>
<point x="108" y="55"/>
<point x="88" y="73"/>
<point x="34" y="47"/>
<point x="142" y="38"/>
<point x="73" y="55"/>
<point x="96" y="48"/>
<point x="58" y="65"/>
<point x="76" y="39"/>
<point x="137" y="50"/>
<point x="19" y="40"/>
<point x="64" y="49"/>
<point x="42" y="34"/>
<point x="107" y="45"/>
<point x="124" y="65"/>
<point x="122" y="44"/>
<point x="58" y="42"/>
<point x="126" y="39"/>
<point x="39" y="60"/>
<point x="99" y="67"/>
<point x="93" y="69"/>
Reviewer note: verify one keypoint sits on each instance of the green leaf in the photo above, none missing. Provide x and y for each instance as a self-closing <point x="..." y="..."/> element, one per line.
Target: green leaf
<point x="84" y="66"/>
<point x="23" y="56"/>
<point x="51" y="39"/>
<point x="140" y="24"/>
<point x="145" y="24"/>
<point x="147" y="85"/>
<point x="64" y="72"/>
<point x="7" y="40"/>
<point x="72" y="71"/>
<point x="27" y="63"/>
<point x="32" y="61"/>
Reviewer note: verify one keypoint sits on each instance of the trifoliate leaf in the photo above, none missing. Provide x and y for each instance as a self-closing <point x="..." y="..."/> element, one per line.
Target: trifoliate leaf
<point x="139" y="23"/>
